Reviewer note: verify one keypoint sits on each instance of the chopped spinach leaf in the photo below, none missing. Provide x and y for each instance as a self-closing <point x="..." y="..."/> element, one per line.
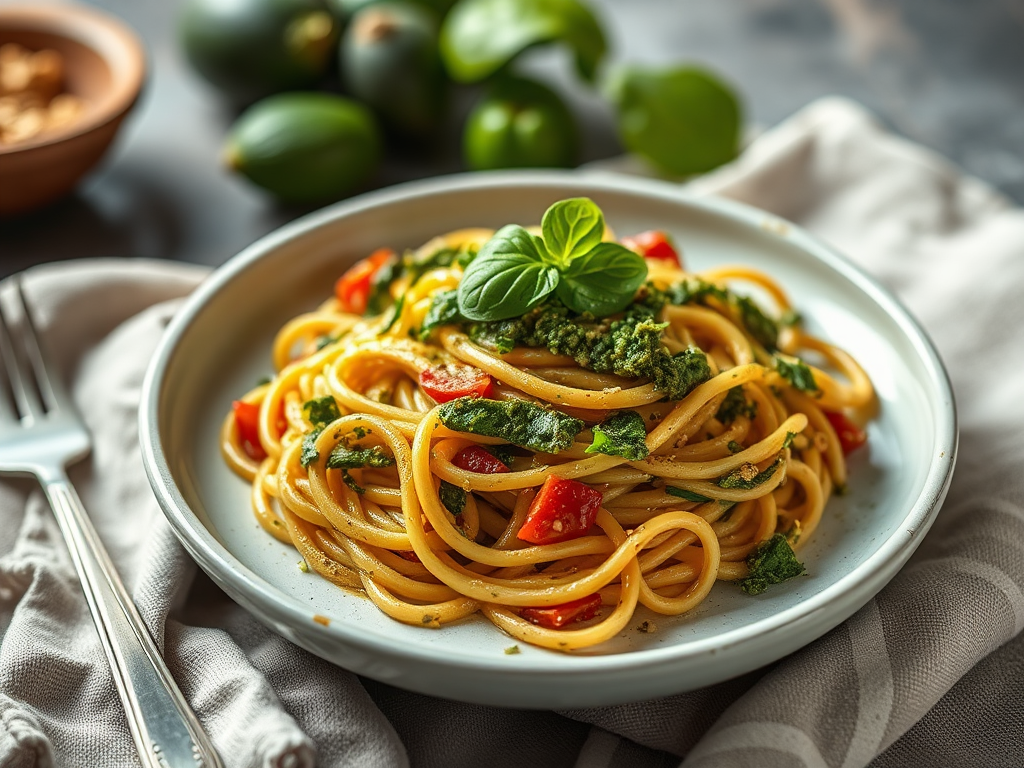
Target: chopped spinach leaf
<point x="343" y="457"/>
<point x="682" y="493"/>
<point x="797" y="373"/>
<point x="734" y="447"/>
<point x="736" y="404"/>
<point x="453" y="497"/>
<point x="466" y="255"/>
<point x="321" y="410"/>
<point x="444" y="310"/>
<point x="416" y="268"/>
<point x="351" y="483"/>
<point x="309" y="452"/>
<point x="790" y="318"/>
<point x="747" y="477"/>
<point x="621" y="434"/>
<point x="762" y="328"/>
<point x="503" y="453"/>
<point x="396" y="312"/>
<point x="771" y="563"/>
<point x="789" y="440"/>
<point x="323" y="341"/>
<point x="380" y="286"/>
<point x="519" y="422"/>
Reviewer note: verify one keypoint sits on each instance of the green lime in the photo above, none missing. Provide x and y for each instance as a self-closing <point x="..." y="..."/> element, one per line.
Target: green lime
<point x="252" y="48"/>
<point x="520" y="124"/>
<point x="389" y="60"/>
<point x="305" y="147"/>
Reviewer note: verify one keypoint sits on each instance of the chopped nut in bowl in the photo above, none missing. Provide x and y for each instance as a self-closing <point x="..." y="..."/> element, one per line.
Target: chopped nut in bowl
<point x="33" y="101"/>
<point x="68" y="77"/>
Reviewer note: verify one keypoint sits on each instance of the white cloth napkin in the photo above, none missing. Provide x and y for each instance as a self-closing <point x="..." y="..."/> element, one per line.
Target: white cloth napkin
<point x="928" y="673"/>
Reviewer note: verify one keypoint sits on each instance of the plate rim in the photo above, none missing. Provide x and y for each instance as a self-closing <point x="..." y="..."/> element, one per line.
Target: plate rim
<point x="887" y="559"/>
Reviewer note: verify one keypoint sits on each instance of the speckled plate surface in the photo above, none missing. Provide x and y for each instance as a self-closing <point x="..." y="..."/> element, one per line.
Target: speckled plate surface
<point x="219" y="344"/>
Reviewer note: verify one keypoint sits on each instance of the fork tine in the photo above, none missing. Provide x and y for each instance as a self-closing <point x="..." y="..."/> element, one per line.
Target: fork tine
<point x="7" y="393"/>
<point x="25" y="398"/>
<point x="50" y="389"/>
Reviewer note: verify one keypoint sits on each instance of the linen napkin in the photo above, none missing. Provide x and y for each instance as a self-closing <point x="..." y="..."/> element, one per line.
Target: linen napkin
<point x="930" y="672"/>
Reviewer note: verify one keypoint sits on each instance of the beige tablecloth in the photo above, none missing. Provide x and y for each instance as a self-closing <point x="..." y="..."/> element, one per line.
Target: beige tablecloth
<point x="930" y="672"/>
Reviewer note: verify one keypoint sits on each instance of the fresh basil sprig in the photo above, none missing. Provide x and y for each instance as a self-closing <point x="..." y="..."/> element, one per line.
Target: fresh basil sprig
<point x="515" y="270"/>
<point x="510" y="274"/>
<point x="572" y="228"/>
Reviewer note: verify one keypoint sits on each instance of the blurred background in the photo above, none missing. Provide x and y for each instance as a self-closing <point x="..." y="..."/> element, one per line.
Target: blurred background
<point x="946" y="73"/>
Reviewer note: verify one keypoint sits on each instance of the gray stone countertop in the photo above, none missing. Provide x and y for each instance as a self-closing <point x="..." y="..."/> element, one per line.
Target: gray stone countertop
<point x="946" y="73"/>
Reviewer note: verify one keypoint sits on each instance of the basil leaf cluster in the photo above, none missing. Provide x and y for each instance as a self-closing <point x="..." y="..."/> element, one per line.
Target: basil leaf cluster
<point x="516" y="270"/>
<point x="479" y="37"/>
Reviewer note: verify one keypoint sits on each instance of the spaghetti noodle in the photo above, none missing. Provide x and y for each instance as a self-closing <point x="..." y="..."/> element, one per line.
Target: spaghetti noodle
<point x="548" y="470"/>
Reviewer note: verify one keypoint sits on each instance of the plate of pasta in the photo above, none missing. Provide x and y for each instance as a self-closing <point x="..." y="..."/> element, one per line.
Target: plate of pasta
<point x="547" y="439"/>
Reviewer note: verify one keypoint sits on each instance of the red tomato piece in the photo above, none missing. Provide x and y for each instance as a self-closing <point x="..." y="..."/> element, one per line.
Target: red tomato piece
<point x="247" y="420"/>
<point x="851" y="437"/>
<point x="654" y="244"/>
<point x="557" y="616"/>
<point x="353" y="287"/>
<point x="282" y="420"/>
<point x="452" y="381"/>
<point x="476" y="459"/>
<point x="562" y="510"/>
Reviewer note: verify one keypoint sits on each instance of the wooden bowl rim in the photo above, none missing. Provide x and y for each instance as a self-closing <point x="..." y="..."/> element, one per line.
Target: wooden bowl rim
<point x="108" y="37"/>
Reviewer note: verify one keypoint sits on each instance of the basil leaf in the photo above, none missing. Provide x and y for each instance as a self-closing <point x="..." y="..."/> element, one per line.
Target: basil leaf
<point x="624" y="433"/>
<point x="479" y="37"/>
<point x="683" y="120"/>
<point x="519" y="422"/>
<point x="603" y="281"/>
<point x="572" y="228"/>
<point x="508" y="276"/>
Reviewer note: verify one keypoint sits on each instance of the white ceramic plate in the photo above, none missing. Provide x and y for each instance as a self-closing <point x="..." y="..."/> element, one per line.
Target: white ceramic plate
<point x="218" y="346"/>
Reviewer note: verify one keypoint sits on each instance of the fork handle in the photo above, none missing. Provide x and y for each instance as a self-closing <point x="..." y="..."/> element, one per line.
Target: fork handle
<point x="166" y="732"/>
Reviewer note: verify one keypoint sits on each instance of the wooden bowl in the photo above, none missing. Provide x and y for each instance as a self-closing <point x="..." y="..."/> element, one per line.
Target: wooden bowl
<point x="104" y="66"/>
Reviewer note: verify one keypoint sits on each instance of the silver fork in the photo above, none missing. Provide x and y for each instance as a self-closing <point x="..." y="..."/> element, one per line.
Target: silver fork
<point x="41" y="434"/>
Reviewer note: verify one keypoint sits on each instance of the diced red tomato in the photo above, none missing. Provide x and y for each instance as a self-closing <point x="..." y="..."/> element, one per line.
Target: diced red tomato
<point x="654" y="244"/>
<point x="851" y="437"/>
<point x="247" y="419"/>
<point x="454" y="380"/>
<point x="282" y="421"/>
<point x="353" y="287"/>
<point x="562" y="510"/>
<point x="476" y="459"/>
<point x="557" y="616"/>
